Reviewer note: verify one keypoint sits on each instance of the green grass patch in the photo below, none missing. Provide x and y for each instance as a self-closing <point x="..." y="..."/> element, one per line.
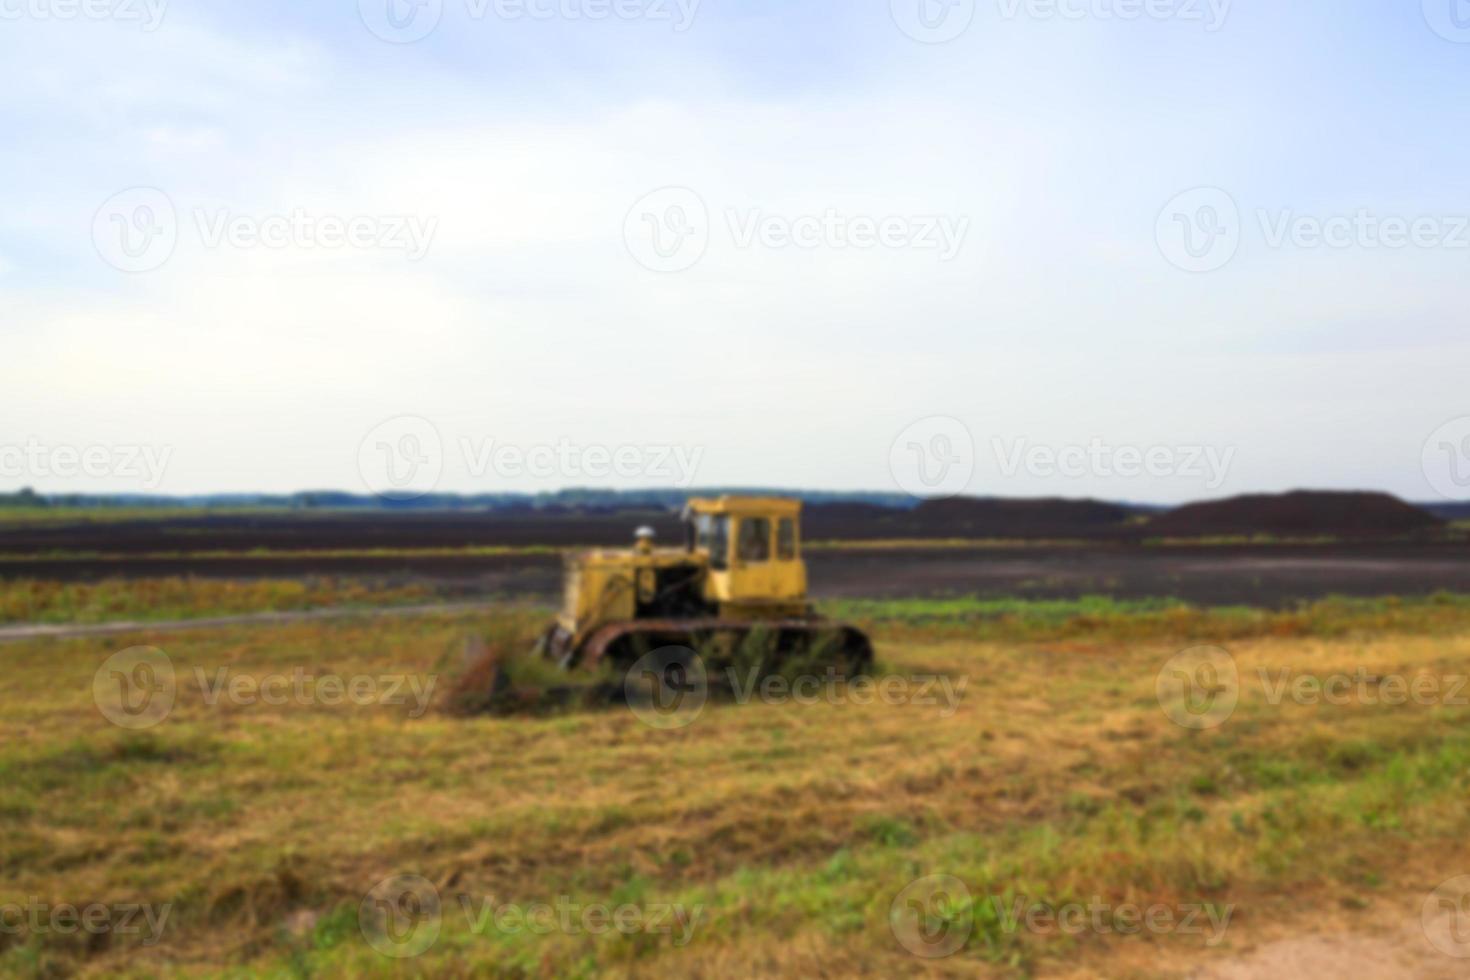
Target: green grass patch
<point x="1107" y="618"/>
<point x="79" y="603"/>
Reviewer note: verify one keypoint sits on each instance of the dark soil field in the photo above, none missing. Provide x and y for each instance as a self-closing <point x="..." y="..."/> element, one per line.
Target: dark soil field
<point x="333" y="531"/>
<point x="1351" y="516"/>
<point x="285" y="546"/>
<point x="1355" y="514"/>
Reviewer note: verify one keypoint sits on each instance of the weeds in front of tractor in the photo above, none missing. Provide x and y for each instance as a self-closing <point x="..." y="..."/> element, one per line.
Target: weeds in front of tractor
<point x="499" y="670"/>
<point x="762" y="654"/>
<point x="502" y="672"/>
<point x="512" y="679"/>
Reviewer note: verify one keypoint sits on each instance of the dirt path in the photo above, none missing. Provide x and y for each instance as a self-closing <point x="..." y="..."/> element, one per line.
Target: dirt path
<point x="63" y="631"/>
<point x="1395" y="937"/>
<point x="1398" y="955"/>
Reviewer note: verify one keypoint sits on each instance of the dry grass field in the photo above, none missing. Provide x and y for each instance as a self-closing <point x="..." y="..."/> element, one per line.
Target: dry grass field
<point x="272" y="824"/>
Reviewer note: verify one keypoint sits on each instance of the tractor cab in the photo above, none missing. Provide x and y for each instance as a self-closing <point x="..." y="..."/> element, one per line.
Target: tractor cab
<point x="751" y="547"/>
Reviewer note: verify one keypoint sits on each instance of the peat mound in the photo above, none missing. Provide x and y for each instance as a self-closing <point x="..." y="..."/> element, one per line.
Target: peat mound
<point x="1302" y="512"/>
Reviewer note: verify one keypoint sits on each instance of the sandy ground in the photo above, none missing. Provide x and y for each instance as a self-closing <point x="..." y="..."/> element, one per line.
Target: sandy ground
<point x="1393" y="938"/>
<point x="1402" y="953"/>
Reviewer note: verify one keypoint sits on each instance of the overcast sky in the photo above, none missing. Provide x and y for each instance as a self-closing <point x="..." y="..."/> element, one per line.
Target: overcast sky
<point x="1000" y="247"/>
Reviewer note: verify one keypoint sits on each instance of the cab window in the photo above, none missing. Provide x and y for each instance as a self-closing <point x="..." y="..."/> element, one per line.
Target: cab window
<point x="755" y="539"/>
<point x="712" y="534"/>
<point x="786" y="540"/>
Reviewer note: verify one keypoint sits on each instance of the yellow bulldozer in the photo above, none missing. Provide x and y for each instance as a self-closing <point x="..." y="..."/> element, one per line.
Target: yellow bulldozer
<point x="739" y="576"/>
